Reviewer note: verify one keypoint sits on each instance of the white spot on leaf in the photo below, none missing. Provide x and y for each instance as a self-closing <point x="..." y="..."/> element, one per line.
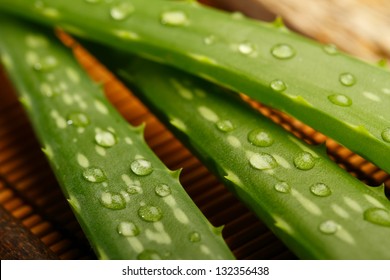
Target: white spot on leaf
<point x="340" y="211"/>
<point x="101" y="107"/>
<point x="126" y="35"/>
<point x="353" y="204"/>
<point x="100" y="150"/>
<point x="372" y="96"/>
<point x="374" y="201"/>
<point x="180" y="216"/>
<point x="182" y="90"/>
<point x="306" y="203"/>
<point x="208" y="114"/>
<point x="82" y="160"/>
<point x="72" y="75"/>
<point x="160" y="236"/>
<point x="234" y="141"/>
<point x="178" y="124"/>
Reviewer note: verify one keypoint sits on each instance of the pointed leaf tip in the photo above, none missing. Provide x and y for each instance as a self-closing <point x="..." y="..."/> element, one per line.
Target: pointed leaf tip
<point x="218" y="230"/>
<point x="176" y="173"/>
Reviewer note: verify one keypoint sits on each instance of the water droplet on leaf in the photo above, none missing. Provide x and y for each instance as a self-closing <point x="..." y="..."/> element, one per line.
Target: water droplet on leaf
<point x="174" y="18"/>
<point x="132" y="190"/>
<point x="246" y="48"/>
<point x="237" y="15"/>
<point x="78" y="119"/>
<point x="282" y="51"/>
<point x="47" y="90"/>
<point x="304" y="161"/>
<point x="320" y="189"/>
<point x="105" y="139"/>
<point x="121" y="11"/>
<point x="377" y="216"/>
<point x="128" y="229"/>
<point x="94" y="174"/>
<point x="340" y="100"/>
<point x="209" y="40"/>
<point x="260" y="138"/>
<point x="329" y="227"/>
<point x="278" y="85"/>
<point x="263" y="161"/>
<point x="149" y="255"/>
<point x="45" y="64"/>
<point x="282" y="187"/>
<point x="194" y="237"/>
<point x="225" y="125"/>
<point x="150" y="213"/>
<point x="330" y="49"/>
<point x="347" y="79"/>
<point x="163" y="190"/>
<point x="386" y="135"/>
<point x="112" y="200"/>
<point x="141" y="167"/>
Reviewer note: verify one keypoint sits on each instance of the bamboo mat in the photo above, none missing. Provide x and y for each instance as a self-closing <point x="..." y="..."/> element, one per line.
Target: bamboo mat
<point x="38" y="213"/>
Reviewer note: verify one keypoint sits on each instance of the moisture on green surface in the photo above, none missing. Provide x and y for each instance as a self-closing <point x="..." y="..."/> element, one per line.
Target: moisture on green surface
<point x="125" y="199"/>
<point x="314" y="206"/>
<point x="319" y="85"/>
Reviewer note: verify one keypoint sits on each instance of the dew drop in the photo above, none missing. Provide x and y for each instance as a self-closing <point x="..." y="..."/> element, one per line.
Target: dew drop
<point x="47" y="90"/>
<point x="128" y="229"/>
<point x="121" y="11"/>
<point x="78" y="119"/>
<point x="163" y="190"/>
<point x="149" y="255"/>
<point x="209" y="40"/>
<point x="386" y="135"/>
<point x="141" y="167"/>
<point x="347" y="79"/>
<point x="340" y="100"/>
<point x="105" y="139"/>
<point x="46" y="10"/>
<point x="320" y="189"/>
<point x="282" y="187"/>
<point x="237" y="15"/>
<point x="330" y="49"/>
<point x="36" y="41"/>
<point x="263" y="161"/>
<point x="260" y="138"/>
<point x="304" y="161"/>
<point x="194" y="237"/>
<point x="247" y="48"/>
<point x="225" y="125"/>
<point x="45" y="64"/>
<point x="329" y="227"/>
<point x="278" y="85"/>
<point x="377" y="216"/>
<point x="282" y="51"/>
<point x="132" y="190"/>
<point x="150" y="213"/>
<point x="112" y="200"/>
<point x="174" y="18"/>
<point x="94" y="174"/>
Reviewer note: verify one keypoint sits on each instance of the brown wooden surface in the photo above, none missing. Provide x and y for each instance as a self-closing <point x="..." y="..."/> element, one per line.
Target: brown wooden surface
<point x="17" y="242"/>
<point x="32" y="196"/>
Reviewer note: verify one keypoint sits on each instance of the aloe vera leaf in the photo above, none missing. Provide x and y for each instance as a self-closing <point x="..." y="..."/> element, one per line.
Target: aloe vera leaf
<point x="318" y="209"/>
<point x="128" y="203"/>
<point x="338" y="95"/>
